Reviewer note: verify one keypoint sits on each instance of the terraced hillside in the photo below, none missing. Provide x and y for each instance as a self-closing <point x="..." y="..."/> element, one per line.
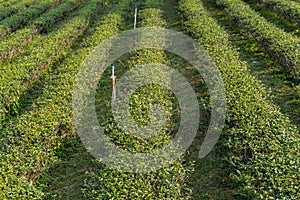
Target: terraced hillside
<point x="255" y="44"/>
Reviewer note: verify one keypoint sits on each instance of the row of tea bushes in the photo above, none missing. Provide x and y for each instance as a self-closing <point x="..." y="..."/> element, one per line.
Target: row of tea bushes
<point x="29" y="144"/>
<point x="290" y="10"/>
<point x="8" y="8"/>
<point x="283" y="46"/>
<point x="8" y="3"/>
<point x="22" y="70"/>
<point x="165" y="183"/>
<point x="11" y="44"/>
<point x="21" y="19"/>
<point x="262" y="144"/>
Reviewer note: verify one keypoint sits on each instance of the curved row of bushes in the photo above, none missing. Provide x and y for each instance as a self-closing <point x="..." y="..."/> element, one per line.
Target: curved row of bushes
<point x="166" y="183"/>
<point x="282" y="46"/>
<point x="18" y="73"/>
<point x="14" y="22"/>
<point x="263" y="146"/>
<point x="7" y="3"/>
<point x="7" y="9"/>
<point x="28" y="145"/>
<point x="290" y="10"/>
<point x="55" y="14"/>
<point x="11" y="44"/>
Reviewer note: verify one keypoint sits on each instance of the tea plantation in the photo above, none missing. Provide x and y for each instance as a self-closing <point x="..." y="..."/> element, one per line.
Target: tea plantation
<point x="255" y="46"/>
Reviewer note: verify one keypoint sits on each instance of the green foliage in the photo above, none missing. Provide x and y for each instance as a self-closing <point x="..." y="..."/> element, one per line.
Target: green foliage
<point x="151" y="17"/>
<point x="150" y="4"/>
<point x="122" y="7"/>
<point x="263" y="146"/>
<point x="21" y="19"/>
<point x="166" y="183"/>
<point x="16" y="40"/>
<point x="55" y="14"/>
<point x="163" y="184"/>
<point x="29" y="144"/>
<point x="7" y="9"/>
<point x="288" y="9"/>
<point x="23" y="69"/>
<point x="283" y="46"/>
<point x="9" y="3"/>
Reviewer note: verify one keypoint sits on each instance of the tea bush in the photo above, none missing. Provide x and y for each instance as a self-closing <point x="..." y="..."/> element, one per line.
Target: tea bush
<point x="22" y="70"/>
<point x="12" y="23"/>
<point x="29" y="143"/>
<point x="11" y="44"/>
<point x="283" y="46"/>
<point x="290" y="10"/>
<point x="263" y="145"/>
<point x="165" y="183"/>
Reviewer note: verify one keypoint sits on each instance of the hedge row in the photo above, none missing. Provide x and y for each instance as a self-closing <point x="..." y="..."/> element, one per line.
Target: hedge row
<point x="28" y="145"/>
<point x="55" y="14"/>
<point x="263" y="146"/>
<point x="8" y="10"/>
<point x="8" y="3"/>
<point x="166" y="183"/>
<point x="290" y="10"/>
<point x="12" y="23"/>
<point x="283" y="46"/>
<point x="18" y="73"/>
<point x="11" y="44"/>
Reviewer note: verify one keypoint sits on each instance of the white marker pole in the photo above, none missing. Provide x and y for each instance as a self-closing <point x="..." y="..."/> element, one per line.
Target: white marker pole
<point x="113" y="77"/>
<point x="135" y="17"/>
